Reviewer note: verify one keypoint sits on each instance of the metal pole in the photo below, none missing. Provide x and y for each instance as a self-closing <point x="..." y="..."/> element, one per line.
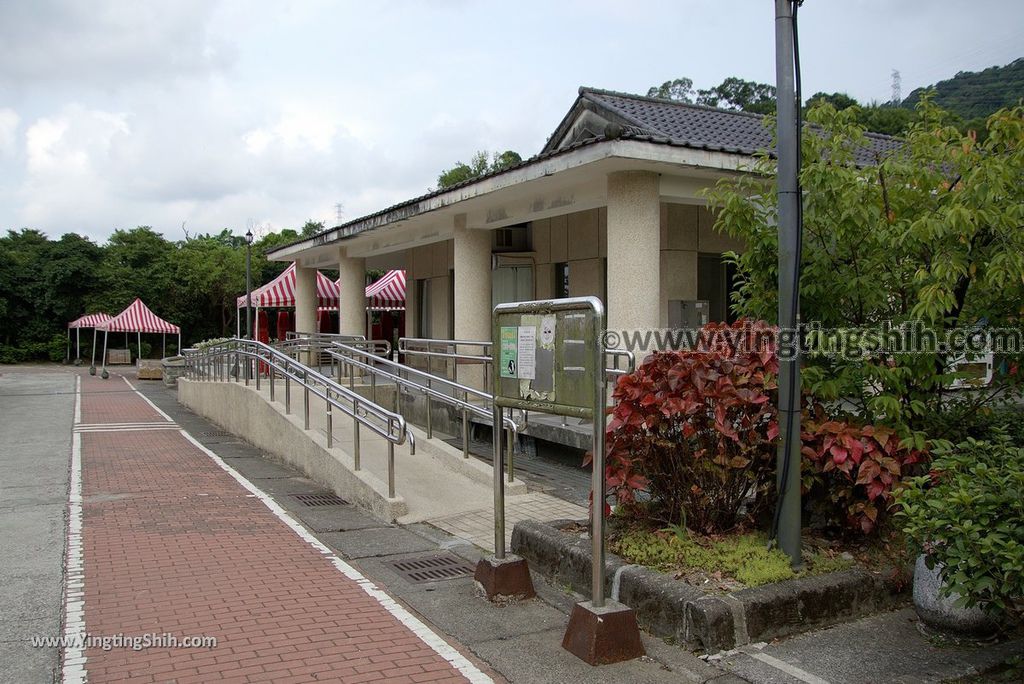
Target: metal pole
<point x="788" y="460"/>
<point x="270" y="376"/>
<point x="330" y="422"/>
<point x="391" y="469"/>
<point x="499" y="484"/>
<point x="305" y="404"/>
<point x="248" y="285"/>
<point x="597" y="476"/>
<point x="355" y="435"/>
<point x="430" y="422"/>
<point x="465" y="431"/>
<point x="511" y="451"/>
<point x="287" y="393"/>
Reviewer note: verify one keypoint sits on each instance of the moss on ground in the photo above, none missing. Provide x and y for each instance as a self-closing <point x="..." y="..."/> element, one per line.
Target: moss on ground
<point x="744" y="557"/>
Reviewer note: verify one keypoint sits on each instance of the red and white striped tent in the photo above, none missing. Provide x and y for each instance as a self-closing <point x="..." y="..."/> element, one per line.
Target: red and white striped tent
<point x="137" y="318"/>
<point x="388" y="293"/>
<point x="279" y="293"/>
<point x="86" y="321"/>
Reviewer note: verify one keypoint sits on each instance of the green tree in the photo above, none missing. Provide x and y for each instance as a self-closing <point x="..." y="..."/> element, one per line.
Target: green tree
<point x="735" y="93"/>
<point x="680" y="90"/>
<point x="479" y="165"/>
<point x="930" y="233"/>
<point x="208" y="274"/>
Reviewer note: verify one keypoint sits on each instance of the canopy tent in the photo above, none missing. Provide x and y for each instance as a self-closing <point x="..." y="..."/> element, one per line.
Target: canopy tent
<point x="137" y="318"/>
<point x="388" y="293"/>
<point x="280" y="293"/>
<point x="86" y="321"/>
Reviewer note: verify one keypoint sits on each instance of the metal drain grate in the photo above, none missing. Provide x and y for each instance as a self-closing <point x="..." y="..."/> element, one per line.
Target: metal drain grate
<point x="217" y="433"/>
<point x="320" y="500"/>
<point x="433" y="568"/>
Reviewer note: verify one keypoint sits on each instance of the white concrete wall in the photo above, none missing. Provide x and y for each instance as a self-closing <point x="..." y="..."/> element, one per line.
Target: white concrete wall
<point x="472" y="270"/>
<point x="634" y="251"/>
<point x="352" y="282"/>
<point x="305" y="299"/>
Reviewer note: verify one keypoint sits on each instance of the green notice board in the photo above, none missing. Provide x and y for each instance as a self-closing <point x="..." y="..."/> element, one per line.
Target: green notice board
<point x="548" y="355"/>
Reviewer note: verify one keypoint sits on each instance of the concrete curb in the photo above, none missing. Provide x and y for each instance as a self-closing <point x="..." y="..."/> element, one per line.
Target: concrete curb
<point x="689" y="615"/>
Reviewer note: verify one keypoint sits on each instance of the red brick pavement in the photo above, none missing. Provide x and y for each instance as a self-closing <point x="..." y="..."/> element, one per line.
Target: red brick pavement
<point x="174" y="544"/>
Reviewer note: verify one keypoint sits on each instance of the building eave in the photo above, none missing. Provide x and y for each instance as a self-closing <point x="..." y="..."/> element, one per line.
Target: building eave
<point x="639" y="151"/>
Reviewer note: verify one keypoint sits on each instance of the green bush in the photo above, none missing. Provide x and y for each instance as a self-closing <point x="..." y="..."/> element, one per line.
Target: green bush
<point x="54" y="350"/>
<point x="968" y="516"/>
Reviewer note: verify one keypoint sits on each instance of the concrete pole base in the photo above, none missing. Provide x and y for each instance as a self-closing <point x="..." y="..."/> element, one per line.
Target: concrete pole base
<point x="601" y="636"/>
<point x="504" y="579"/>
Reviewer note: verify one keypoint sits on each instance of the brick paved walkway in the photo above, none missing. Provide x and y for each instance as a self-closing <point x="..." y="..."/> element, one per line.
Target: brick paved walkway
<point x="173" y="543"/>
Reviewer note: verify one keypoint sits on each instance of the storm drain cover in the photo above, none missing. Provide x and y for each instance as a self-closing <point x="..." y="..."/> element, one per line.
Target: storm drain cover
<point x="432" y="568"/>
<point x="320" y="500"/>
<point x="216" y="433"/>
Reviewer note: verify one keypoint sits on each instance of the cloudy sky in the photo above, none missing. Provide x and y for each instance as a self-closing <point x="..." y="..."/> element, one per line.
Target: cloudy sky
<point x="211" y="114"/>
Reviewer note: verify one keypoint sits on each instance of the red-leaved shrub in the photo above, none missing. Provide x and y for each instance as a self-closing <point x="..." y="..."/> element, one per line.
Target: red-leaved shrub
<point x="696" y="430"/>
<point x="693" y="436"/>
<point x="850" y="471"/>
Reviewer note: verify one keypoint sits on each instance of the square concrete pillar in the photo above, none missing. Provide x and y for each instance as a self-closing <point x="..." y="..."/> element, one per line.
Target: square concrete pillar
<point x="305" y="299"/>
<point x="634" y="251"/>
<point x="352" y="295"/>
<point x="472" y="266"/>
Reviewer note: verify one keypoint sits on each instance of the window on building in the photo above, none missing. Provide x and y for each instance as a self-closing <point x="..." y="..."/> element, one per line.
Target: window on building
<point x="715" y="283"/>
<point x="512" y="283"/>
<point x="511" y="239"/>
<point x="561" y="288"/>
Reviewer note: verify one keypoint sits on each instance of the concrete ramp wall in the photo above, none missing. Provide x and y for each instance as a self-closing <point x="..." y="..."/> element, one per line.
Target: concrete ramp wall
<point x="244" y="412"/>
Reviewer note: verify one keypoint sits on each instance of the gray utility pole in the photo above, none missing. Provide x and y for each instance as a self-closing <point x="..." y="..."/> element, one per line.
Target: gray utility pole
<point x="248" y="286"/>
<point x="788" y="462"/>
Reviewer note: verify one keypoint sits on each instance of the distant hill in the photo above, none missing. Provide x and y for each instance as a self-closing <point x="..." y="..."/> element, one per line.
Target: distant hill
<point x="972" y="94"/>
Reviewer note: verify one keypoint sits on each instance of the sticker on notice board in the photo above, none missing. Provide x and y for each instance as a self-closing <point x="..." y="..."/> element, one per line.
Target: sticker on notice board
<point x="527" y="352"/>
<point x="509" y="352"/>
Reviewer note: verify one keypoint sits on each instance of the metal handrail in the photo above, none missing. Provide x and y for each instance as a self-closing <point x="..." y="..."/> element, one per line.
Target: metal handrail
<point x="407" y="346"/>
<point x="213" y="363"/>
<point x="346" y="354"/>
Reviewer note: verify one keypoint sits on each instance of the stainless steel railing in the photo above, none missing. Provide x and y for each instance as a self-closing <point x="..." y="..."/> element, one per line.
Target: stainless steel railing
<point x="241" y="360"/>
<point x="429" y="348"/>
<point x="430" y="351"/>
<point x="351" y="358"/>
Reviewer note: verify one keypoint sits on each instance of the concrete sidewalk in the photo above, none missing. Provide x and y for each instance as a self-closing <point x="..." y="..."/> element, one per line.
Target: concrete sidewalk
<point x="36" y="406"/>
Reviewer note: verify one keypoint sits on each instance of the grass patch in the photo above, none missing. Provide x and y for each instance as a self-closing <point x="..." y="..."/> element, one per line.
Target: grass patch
<point x="742" y="558"/>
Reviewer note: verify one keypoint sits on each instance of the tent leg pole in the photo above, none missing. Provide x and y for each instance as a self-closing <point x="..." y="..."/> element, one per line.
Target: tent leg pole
<point x="106" y="335"/>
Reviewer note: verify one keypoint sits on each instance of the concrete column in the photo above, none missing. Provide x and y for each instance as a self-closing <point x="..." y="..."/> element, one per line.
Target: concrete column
<point x="305" y="299"/>
<point x="634" y="250"/>
<point x="352" y="283"/>
<point x="472" y="292"/>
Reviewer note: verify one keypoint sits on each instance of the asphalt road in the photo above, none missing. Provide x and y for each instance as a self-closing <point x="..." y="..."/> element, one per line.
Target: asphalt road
<point x="36" y="413"/>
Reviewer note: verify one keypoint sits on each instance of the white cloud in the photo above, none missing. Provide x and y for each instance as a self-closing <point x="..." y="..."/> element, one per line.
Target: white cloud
<point x="107" y="43"/>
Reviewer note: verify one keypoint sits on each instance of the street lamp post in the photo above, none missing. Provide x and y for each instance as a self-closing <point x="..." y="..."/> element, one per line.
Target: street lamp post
<point x="248" y="284"/>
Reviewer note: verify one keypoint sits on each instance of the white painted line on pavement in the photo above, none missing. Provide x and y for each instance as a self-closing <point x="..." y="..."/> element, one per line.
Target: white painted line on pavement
<point x="146" y="399"/>
<point x="73" y="654"/>
<point x="791" y="670"/>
